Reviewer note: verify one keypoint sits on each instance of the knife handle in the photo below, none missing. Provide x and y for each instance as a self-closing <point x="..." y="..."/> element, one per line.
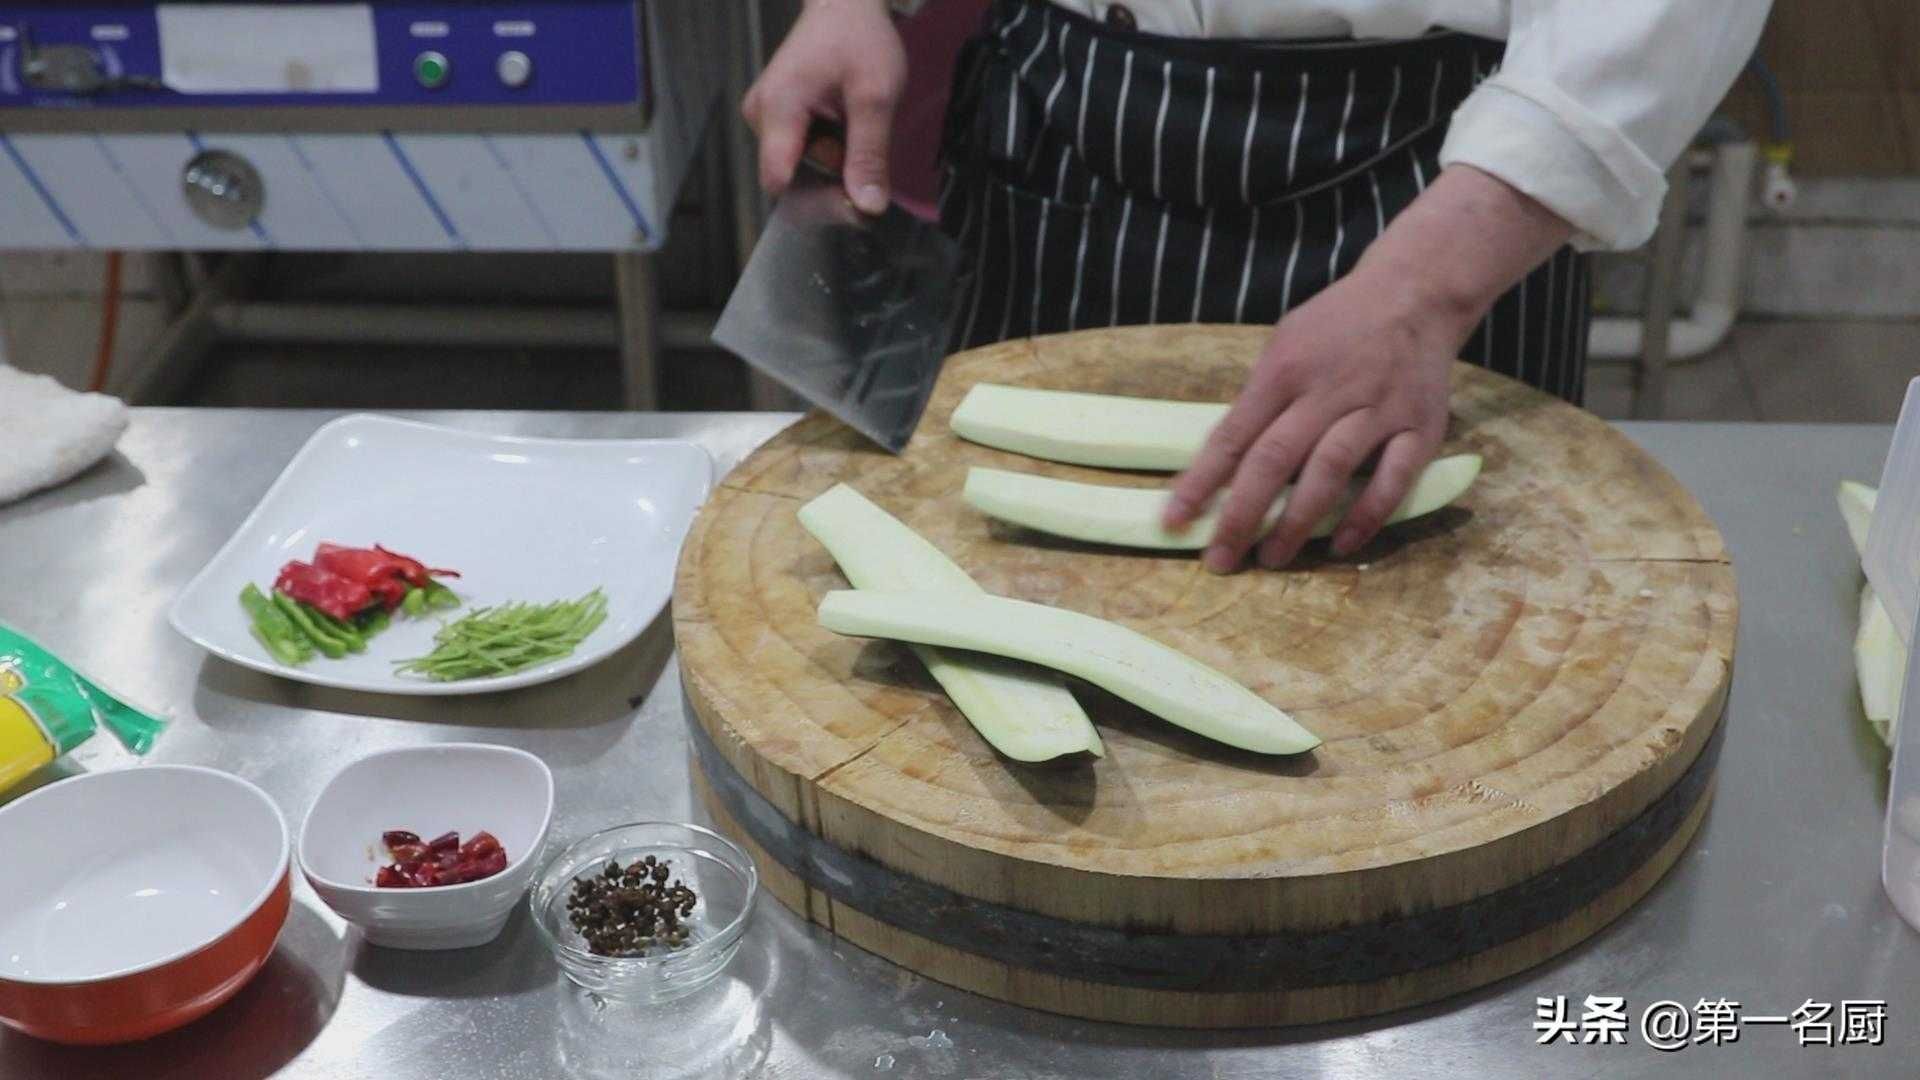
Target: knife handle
<point x="826" y="147"/>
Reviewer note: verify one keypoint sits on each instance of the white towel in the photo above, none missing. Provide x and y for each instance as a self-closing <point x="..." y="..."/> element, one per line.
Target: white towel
<point x="50" y="434"/>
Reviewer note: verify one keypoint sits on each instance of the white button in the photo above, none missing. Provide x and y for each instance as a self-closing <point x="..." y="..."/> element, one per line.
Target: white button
<point x="515" y="68"/>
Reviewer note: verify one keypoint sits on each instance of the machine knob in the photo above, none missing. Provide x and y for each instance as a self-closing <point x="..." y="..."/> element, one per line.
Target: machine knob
<point x="64" y="69"/>
<point x="224" y="189"/>
<point x="515" y="69"/>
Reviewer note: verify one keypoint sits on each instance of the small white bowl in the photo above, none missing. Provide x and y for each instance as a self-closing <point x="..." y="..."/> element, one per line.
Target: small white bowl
<point x="463" y="787"/>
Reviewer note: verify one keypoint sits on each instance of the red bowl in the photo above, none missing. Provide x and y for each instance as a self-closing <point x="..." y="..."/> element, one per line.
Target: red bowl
<point x="146" y="898"/>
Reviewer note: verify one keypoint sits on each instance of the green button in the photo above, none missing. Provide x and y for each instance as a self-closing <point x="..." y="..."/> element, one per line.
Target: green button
<point x="432" y="69"/>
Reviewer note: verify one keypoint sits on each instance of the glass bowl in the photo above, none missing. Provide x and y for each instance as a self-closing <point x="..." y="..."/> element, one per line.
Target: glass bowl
<point x="721" y="875"/>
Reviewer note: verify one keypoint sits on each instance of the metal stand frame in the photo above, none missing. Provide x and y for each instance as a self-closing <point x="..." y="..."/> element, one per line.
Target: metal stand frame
<point x="1663" y="286"/>
<point x="175" y="357"/>
<point x="213" y="308"/>
<point x="219" y="310"/>
<point x="636" y="292"/>
<point x="749" y="203"/>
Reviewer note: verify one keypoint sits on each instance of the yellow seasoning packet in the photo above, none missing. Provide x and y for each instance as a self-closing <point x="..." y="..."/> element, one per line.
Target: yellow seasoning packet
<point x="47" y="709"/>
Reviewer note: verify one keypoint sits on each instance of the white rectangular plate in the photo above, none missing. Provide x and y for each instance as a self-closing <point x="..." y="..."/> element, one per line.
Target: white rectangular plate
<point x="531" y="520"/>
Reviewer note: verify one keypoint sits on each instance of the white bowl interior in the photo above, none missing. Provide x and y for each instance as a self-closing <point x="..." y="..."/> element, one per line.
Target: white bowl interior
<point x="460" y="787"/>
<point x="109" y="873"/>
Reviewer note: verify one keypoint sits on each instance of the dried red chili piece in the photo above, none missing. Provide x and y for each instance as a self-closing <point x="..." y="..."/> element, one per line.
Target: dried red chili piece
<point x="482" y="843"/>
<point x="441" y="861"/>
<point x="483" y="867"/>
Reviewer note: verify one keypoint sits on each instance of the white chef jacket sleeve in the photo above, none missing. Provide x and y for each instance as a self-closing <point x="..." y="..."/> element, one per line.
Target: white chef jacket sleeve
<point x="1595" y="101"/>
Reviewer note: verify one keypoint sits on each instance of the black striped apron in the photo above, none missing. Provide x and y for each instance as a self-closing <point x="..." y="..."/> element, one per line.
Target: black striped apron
<point x="1101" y="177"/>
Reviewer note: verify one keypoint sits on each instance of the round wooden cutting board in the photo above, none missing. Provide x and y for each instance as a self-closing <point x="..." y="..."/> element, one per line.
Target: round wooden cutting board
<point x="1519" y="698"/>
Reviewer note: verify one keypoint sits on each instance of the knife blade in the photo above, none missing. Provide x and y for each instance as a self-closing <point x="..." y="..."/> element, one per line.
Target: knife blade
<point x="850" y="311"/>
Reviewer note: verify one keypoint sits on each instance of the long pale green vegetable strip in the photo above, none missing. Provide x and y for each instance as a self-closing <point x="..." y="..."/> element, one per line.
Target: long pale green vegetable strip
<point x="1103" y="430"/>
<point x="1122" y="661"/>
<point x="1130" y="517"/>
<point x="1025" y="712"/>
<point x="1879" y="656"/>
<point x="509" y="638"/>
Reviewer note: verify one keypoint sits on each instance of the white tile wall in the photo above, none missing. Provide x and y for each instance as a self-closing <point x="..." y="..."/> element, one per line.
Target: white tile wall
<point x="1834" y="271"/>
<point x="61" y="337"/>
<point x="1845" y="249"/>
<point x="1869" y="201"/>
<point x="70" y="273"/>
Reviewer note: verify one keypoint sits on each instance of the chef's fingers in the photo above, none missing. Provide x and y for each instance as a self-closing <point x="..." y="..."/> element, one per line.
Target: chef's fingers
<point x="1322" y="485"/>
<point x="782" y="128"/>
<point x="1400" y="463"/>
<point x="870" y="103"/>
<point x="1265" y="397"/>
<point x="1266" y="468"/>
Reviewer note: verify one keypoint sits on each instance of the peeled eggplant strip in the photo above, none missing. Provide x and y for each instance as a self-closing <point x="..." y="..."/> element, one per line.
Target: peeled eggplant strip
<point x="1879" y="656"/>
<point x="1025" y="712"/>
<point x="1102" y="430"/>
<point x="1130" y="517"/>
<point x="1124" y="662"/>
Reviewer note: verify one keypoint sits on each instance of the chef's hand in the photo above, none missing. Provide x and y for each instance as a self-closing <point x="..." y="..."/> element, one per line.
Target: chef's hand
<point x="1362" y="370"/>
<point x="842" y="61"/>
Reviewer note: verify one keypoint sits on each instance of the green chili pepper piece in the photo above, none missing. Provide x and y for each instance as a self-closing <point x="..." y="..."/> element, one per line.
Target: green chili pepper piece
<point x="332" y="647"/>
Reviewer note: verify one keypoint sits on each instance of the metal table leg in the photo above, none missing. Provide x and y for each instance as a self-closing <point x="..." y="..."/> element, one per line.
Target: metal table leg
<point x="175" y="357"/>
<point x="747" y="45"/>
<point x="1663" y="285"/>
<point x="716" y="198"/>
<point x="637" y="293"/>
<point x="173" y="280"/>
<point x="747" y="37"/>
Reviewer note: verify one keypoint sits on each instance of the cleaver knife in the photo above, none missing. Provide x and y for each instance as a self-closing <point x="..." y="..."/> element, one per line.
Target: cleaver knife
<point x="850" y="311"/>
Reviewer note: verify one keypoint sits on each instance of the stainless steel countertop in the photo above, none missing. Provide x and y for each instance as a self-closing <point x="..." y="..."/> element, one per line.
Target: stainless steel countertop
<point x="1777" y="901"/>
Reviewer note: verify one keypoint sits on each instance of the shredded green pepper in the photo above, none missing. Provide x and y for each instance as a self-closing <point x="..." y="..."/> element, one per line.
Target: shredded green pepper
<point x="513" y="637"/>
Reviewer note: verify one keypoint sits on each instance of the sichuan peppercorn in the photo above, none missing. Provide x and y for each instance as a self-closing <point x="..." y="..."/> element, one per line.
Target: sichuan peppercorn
<point x="626" y="911"/>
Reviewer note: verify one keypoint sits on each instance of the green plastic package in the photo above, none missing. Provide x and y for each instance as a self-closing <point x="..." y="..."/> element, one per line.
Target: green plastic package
<point x="47" y="709"/>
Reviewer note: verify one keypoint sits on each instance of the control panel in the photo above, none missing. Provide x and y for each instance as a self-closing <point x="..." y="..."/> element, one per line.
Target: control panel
<point x="122" y="56"/>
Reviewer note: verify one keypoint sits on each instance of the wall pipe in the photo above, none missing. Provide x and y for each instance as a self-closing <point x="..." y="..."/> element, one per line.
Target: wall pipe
<point x="1716" y="303"/>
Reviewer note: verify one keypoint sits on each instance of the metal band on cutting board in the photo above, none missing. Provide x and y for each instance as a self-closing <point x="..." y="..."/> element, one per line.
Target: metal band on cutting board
<point x="1205" y="962"/>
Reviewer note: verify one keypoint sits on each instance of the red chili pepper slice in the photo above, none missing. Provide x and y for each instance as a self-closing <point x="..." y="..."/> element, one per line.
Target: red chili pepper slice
<point x="417" y="571"/>
<point x="385" y="573"/>
<point x="340" y="597"/>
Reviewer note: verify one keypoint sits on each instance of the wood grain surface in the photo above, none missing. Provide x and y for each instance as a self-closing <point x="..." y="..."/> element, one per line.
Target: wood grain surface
<point x="1500" y="686"/>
